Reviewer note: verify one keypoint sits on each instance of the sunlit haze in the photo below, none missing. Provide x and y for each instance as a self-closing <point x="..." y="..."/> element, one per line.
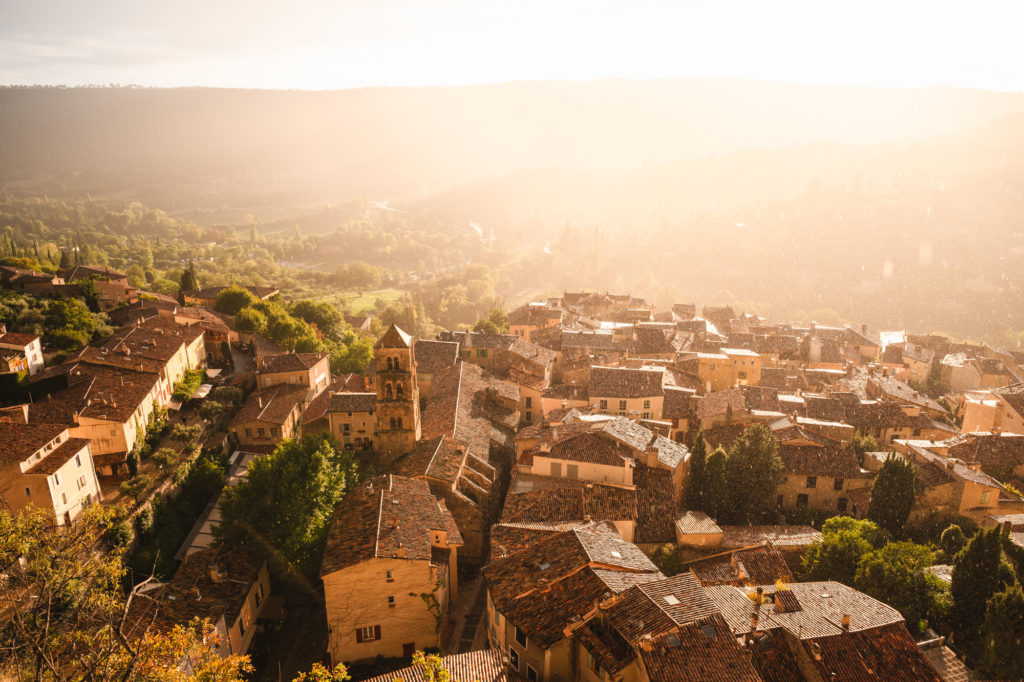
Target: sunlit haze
<point x="321" y="44"/>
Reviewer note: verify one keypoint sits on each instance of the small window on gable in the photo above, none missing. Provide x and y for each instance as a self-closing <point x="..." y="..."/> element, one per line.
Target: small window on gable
<point x="521" y="637"/>
<point x="390" y="576"/>
<point x="78" y="460"/>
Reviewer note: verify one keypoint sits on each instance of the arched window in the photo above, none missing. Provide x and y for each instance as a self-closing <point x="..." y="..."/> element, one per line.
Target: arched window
<point x="399" y="422"/>
<point x="393" y="423"/>
<point x="399" y="392"/>
<point x="390" y="365"/>
<point x="396" y="364"/>
<point x="387" y="391"/>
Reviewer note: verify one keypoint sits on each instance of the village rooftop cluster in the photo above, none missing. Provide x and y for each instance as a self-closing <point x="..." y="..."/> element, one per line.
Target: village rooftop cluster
<point x="524" y="480"/>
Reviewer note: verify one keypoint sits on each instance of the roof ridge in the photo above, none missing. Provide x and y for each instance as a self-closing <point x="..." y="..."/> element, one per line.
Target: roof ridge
<point x="380" y="515"/>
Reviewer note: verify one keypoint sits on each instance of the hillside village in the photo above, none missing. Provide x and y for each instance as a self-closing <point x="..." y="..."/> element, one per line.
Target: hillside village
<point x="535" y="503"/>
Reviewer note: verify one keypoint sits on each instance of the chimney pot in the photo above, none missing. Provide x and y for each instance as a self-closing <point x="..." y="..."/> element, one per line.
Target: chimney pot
<point x="846" y="621"/>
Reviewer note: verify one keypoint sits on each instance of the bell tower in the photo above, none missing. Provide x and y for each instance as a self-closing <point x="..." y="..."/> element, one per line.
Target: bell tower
<point x="398" y="395"/>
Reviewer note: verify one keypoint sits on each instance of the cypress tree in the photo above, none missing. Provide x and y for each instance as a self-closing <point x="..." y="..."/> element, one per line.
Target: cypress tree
<point x="695" y="484"/>
<point x="892" y="494"/>
<point x="715" y="488"/>
<point x="753" y="474"/>
<point x="1002" y="655"/>
<point x="978" y="573"/>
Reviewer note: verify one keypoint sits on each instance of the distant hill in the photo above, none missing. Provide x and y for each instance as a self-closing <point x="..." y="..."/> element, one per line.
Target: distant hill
<point x="180" y="148"/>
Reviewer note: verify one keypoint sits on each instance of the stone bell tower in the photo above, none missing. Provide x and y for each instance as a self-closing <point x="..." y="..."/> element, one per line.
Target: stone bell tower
<point x="398" y="395"/>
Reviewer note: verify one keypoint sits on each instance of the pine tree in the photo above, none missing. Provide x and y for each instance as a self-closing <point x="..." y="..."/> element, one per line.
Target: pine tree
<point x="1002" y="655"/>
<point x="978" y="573"/>
<point x="65" y="260"/>
<point x="695" y="484"/>
<point x="715" y="489"/>
<point x="892" y="494"/>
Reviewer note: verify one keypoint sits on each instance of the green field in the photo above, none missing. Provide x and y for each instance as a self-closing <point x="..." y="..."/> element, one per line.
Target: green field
<point x="361" y="302"/>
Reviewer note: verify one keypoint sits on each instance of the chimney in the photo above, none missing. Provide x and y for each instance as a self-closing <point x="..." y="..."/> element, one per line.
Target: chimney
<point x="215" y="576"/>
<point x="195" y="593"/>
<point x="846" y="622"/>
<point x="400" y="552"/>
<point x="863" y="329"/>
<point x="996" y="430"/>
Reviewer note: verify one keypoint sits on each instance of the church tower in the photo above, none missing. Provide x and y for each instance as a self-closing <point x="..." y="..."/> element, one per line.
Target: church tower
<point x="398" y="395"/>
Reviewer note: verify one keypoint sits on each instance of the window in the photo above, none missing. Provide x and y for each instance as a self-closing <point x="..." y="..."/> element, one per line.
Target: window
<point x="985" y="496"/>
<point x="368" y="634"/>
<point x="529" y="417"/>
<point x="812" y="482"/>
<point x="399" y="422"/>
<point x="81" y="482"/>
<point x="531" y="674"/>
<point x="604" y="404"/>
<point x="520" y="637"/>
<point x="391" y="602"/>
<point x="741" y="375"/>
<point x="389" y="365"/>
<point x="273" y="431"/>
<point x="28" y="492"/>
<point x="259" y="594"/>
<point x="529" y="401"/>
<point x="399" y="392"/>
<point x="78" y="461"/>
<point x="556" y="469"/>
<point x="390" y="576"/>
<point x="56" y="478"/>
<point x="248" y="433"/>
<point x="841" y="505"/>
<point x="345" y="427"/>
<point x="481" y="352"/>
<point x="261" y="432"/>
<point x="63" y="498"/>
<point x="622" y="404"/>
<point x="801" y="500"/>
<point x="837" y="484"/>
<point x="387" y="391"/>
<point x="513" y="659"/>
<point x="647" y="404"/>
<point x="646" y="415"/>
<point x="572" y="471"/>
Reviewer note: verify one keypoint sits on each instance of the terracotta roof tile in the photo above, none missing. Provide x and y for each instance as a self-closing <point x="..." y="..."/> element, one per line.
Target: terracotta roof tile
<point x="386" y="516"/>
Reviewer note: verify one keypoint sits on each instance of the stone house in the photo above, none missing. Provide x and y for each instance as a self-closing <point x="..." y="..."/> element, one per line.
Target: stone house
<point x="43" y="465"/>
<point x="389" y="570"/>
<point x="310" y="370"/>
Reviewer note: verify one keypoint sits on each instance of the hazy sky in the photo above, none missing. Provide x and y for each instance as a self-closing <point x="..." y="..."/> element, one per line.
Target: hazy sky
<point x="321" y="44"/>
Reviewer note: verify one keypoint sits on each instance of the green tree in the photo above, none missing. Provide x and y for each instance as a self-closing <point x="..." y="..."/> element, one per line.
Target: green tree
<point x="716" y="487"/>
<point x="695" y="482"/>
<point x="952" y="541"/>
<point x="68" y="323"/>
<point x="979" y="572"/>
<point x="1002" y="635"/>
<point x="188" y="280"/>
<point x="165" y="458"/>
<point x="892" y="494"/>
<point x="232" y="299"/>
<point x="328" y="320"/>
<point x="321" y="673"/>
<point x="251" y="321"/>
<point x="65" y="260"/>
<point x="896" y="575"/>
<point x="74" y="626"/>
<point x="284" y="504"/>
<point x="753" y="474"/>
<point x="836" y="556"/>
<point x="136" y="486"/>
<point x="862" y="444"/>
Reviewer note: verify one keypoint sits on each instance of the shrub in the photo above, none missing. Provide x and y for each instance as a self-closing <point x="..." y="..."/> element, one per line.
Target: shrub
<point x="136" y="486"/>
<point x="184" y="433"/>
<point x="165" y="458"/>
